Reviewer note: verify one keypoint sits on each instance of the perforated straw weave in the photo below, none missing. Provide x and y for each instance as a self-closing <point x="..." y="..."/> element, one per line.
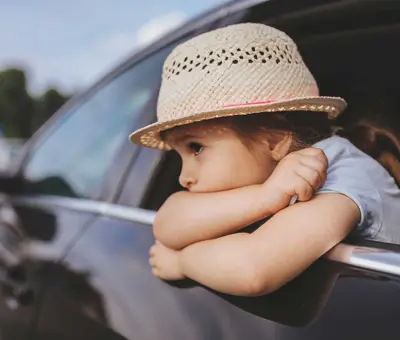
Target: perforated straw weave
<point x="236" y="70"/>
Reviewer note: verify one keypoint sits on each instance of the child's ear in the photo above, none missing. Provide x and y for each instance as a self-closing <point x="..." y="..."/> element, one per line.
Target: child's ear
<point x="282" y="148"/>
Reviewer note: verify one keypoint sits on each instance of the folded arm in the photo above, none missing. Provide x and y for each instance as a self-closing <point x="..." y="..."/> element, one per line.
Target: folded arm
<point x="188" y="217"/>
<point x="261" y="262"/>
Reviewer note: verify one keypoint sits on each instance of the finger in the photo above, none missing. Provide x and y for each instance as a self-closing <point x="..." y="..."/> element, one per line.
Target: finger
<point x="303" y="189"/>
<point x="314" y="162"/>
<point x="323" y="178"/>
<point x="310" y="175"/>
<point x="311" y="151"/>
<point x="152" y="261"/>
<point x="152" y="251"/>
<point x="319" y="164"/>
<point x="315" y="166"/>
<point x="316" y="154"/>
<point x="156" y="272"/>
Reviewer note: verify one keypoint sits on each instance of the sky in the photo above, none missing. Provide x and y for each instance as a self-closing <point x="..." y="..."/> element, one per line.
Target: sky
<point x="69" y="44"/>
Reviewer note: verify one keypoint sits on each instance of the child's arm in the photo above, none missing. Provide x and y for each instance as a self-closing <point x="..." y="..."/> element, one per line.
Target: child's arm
<point x="261" y="262"/>
<point x="186" y="217"/>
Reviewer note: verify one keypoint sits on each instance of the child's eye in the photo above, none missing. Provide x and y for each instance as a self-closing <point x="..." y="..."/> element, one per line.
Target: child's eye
<point x="196" y="148"/>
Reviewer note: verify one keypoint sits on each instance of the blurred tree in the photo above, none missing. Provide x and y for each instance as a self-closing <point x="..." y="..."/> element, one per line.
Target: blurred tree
<point x="20" y="114"/>
<point x="16" y="106"/>
<point x="46" y="106"/>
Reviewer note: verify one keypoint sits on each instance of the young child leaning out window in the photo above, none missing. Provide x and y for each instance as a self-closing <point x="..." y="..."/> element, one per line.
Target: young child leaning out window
<point x="243" y="111"/>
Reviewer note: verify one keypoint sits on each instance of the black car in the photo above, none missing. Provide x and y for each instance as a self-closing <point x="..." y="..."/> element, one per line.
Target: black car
<point x="76" y="213"/>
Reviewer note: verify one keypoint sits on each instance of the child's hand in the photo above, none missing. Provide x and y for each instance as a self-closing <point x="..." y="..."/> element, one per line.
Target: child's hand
<point x="299" y="173"/>
<point x="165" y="262"/>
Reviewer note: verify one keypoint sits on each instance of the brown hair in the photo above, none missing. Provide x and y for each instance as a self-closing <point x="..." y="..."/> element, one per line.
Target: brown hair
<point x="378" y="142"/>
<point x="307" y="128"/>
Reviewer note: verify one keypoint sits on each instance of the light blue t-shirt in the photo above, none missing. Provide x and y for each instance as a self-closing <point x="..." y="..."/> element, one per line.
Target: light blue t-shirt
<point x="353" y="173"/>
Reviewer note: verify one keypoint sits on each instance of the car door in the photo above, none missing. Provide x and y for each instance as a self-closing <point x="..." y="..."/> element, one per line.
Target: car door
<point x="353" y="297"/>
<point x="70" y="169"/>
<point x="108" y="291"/>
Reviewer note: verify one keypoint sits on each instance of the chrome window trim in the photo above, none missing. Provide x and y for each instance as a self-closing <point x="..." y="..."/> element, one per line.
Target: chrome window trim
<point x="375" y="259"/>
<point x="89" y="206"/>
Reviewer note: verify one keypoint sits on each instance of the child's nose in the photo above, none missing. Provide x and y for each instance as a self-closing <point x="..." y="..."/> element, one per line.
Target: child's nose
<point x="187" y="181"/>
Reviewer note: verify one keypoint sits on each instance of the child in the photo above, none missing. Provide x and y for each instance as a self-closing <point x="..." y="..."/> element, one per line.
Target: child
<point x="243" y="111"/>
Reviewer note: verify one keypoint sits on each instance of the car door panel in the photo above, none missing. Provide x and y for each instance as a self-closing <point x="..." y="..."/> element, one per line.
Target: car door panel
<point x="323" y="303"/>
<point x="137" y="305"/>
<point x="47" y="233"/>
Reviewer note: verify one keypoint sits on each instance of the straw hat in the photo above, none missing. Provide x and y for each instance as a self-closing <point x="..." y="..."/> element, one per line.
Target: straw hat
<point x="237" y="70"/>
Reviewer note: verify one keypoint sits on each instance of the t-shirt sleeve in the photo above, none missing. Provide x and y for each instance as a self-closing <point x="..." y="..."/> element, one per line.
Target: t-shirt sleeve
<point x="349" y="173"/>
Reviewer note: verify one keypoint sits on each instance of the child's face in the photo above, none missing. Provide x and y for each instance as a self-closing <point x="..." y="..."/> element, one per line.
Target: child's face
<point x="215" y="159"/>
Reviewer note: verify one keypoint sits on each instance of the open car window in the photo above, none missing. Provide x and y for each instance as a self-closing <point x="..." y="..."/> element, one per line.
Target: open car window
<point x="349" y="59"/>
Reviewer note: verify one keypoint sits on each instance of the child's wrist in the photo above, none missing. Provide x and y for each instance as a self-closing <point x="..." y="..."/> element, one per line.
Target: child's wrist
<point x="273" y="198"/>
<point x="183" y="260"/>
<point x="265" y="200"/>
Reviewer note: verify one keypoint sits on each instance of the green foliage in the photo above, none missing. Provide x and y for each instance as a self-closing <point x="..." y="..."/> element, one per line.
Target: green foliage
<point x="20" y="113"/>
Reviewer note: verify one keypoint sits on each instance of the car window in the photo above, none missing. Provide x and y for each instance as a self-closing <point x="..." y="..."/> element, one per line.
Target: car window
<point x="72" y="158"/>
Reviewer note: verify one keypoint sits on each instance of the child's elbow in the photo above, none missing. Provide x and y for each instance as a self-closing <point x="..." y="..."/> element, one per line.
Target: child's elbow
<point x="162" y="233"/>
<point x="167" y="234"/>
<point x="165" y="224"/>
<point x="256" y="284"/>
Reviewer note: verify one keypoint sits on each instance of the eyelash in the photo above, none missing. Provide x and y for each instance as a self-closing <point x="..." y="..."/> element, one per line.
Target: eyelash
<point x="196" y="148"/>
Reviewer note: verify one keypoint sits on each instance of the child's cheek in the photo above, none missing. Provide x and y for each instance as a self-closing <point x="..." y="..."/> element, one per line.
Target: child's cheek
<point x="212" y="177"/>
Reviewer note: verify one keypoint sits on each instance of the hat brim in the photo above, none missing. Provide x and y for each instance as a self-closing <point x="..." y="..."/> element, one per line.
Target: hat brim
<point x="149" y="136"/>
